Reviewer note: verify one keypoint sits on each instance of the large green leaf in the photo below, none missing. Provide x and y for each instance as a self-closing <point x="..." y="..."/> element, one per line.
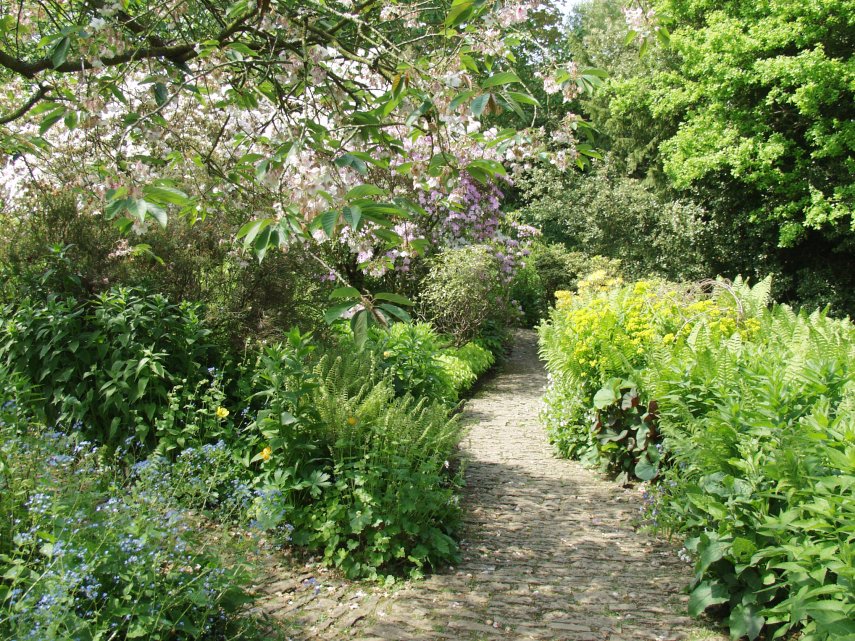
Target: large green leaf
<point x="461" y="98"/>
<point x="344" y="292"/>
<point x="459" y="12"/>
<point x="60" y="52"/>
<point x="51" y="119"/>
<point x="524" y="98"/>
<point x="335" y="312"/>
<point x="328" y="221"/>
<point x="480" y="104"/>
<point x="160" y="94"/>
<point x="156" y="212"/>
<point x="262" y="243"/>
<point x="352" y="215"/>
<point x="711" y="548"/>
<point x="645" y="469"/>
<point x="744" y="621"/>
<point x="393" y="298"/>
<point x="706" y="594"/>
<point x="503" y="78"/>
<point x="251" y="229"/>
<point x="394" y="310"/>
<point x="164" y="194"/>
<point x="605" y="397"/>
<point x="363" y="191"/>
<point x="359" y="325"/>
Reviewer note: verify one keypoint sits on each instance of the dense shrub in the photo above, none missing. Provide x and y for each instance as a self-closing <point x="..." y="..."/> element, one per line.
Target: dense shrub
<point x="744" y="416"/>
<point x="57" y="250"/>
<point x="464" y="294"/>
<point x="418" y="362"/>
<point x="350" y="449"/>
<point x="122" y="364"/>
<point x="361" y="475"/>
<point x="551" y="267"/>
<point x="528" y="293"/>
<point x="594" y="342"/>
<point x="409" y="354"/>
<point x="465" y="364"/>
<point x="609" y="214"/>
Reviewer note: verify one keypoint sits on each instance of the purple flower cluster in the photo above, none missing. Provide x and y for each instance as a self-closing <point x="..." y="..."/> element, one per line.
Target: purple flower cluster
<point x="472" y="215"/>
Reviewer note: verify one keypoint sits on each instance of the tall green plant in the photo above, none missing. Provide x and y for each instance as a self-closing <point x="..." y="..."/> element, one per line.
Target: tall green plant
<point x="362" y="474"/>
<point x="741" y="415"/>
<point x="109" y="365"/>
<point x="463" y="294"/>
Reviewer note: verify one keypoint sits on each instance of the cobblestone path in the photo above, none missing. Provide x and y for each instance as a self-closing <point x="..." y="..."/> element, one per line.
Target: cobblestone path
<point x="548" y="549"/>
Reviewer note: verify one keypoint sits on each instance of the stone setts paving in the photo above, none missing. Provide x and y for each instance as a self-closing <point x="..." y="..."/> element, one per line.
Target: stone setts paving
<point x="549" y="551"/>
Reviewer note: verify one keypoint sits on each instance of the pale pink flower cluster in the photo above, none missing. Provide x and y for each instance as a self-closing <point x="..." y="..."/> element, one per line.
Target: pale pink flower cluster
<point x="550" y="84"/>
<point x="207" y="135"/>
<point x="640" y="21"/>
<point x="561" y="80"/>
<point x="514" y="13"/>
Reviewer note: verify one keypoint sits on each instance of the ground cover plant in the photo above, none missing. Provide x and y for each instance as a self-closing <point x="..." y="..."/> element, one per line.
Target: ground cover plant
<point x="83" y="558"/>
<point x="740" y="417"/>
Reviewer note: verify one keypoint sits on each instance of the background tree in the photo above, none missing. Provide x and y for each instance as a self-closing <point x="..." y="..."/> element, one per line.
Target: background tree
<point x="748" y="115"/>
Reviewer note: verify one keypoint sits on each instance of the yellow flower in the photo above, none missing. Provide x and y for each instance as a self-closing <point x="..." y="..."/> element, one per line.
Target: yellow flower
<point x="352" y="420"/>
<point x="387" y="354"/>
<point x="222" y="412"/>
<point x="266" y="453"/>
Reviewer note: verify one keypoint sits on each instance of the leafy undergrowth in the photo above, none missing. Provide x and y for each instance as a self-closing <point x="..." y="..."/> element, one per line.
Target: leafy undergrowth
<point x="417" y="362"/>
<point x="113" y="476"/>
<point x="741" y="417"/>
<point x="360" y="474"/>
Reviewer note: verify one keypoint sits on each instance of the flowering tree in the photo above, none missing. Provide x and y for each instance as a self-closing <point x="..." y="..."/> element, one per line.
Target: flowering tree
<point x="314" y="117"/>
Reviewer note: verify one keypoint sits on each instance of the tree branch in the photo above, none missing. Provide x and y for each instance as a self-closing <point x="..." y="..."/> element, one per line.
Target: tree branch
<point x="177" y="54"/>
<point x="23" y="109"/>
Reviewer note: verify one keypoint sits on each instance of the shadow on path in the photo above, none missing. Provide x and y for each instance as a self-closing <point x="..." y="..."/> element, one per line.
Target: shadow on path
<point x="548" y="549"/>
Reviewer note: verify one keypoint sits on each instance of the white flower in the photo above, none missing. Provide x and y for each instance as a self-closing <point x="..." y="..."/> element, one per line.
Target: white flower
<point x="452" y="80"/>
<point x="97" y="24"/>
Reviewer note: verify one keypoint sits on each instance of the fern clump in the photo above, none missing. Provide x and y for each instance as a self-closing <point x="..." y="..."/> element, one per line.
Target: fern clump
<point x="740" y="414"/>
<point x="361" y="473"/>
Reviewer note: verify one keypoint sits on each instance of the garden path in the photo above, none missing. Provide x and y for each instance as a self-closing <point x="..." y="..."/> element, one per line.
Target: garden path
<point x="549" y="550"/>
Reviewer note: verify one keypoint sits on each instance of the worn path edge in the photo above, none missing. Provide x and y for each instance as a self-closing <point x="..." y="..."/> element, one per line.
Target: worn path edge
<point x="549" y="551"/>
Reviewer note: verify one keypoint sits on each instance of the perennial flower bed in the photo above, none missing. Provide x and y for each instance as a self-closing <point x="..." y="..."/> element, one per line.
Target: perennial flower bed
<point x="741" y="416"/>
